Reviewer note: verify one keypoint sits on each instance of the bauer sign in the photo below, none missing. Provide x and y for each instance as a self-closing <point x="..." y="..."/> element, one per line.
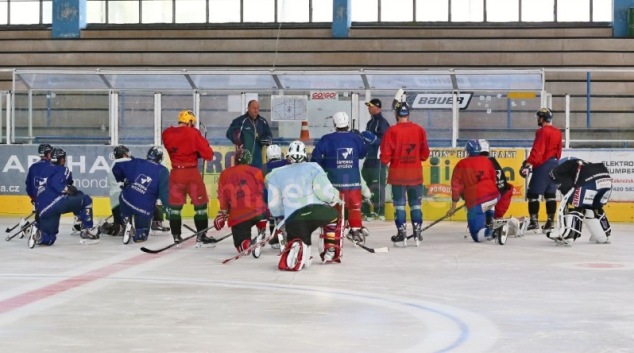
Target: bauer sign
<point x="438" y="100"/>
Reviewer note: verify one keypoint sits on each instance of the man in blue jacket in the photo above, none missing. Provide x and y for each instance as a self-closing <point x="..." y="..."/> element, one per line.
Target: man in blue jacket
<point x="251" y="132"/>
<point x="374" y="172"/>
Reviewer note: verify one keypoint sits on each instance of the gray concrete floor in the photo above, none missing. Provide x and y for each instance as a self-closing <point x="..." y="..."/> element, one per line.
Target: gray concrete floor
<point x="450" y="294"/>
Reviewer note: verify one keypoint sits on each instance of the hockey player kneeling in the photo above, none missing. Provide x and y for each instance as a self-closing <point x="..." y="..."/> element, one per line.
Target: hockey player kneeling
<point x="586" y="188"/>
<point x="55" y="196"/>
<point x="474" y="179"/>
<point x="240" y="194"/>
<point x="302" y="194"/>
<point x="144" y="182"/>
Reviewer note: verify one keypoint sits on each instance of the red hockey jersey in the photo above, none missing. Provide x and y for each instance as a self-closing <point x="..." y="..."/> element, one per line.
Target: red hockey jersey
<point x="474" y="179"/>
<point x="404" y="147"/>
<point x="185" y="145"/>
<point x="240" y="190"/>
<point x="547" y="144"/>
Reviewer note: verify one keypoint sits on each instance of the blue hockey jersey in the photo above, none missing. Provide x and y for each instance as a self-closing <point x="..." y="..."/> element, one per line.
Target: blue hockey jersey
<point x="270" y="165"/>
<point x="339" y="153"/>
<point x="53" y="180"/>
<point x="33" y="179"/>
<point x="145" y="182"/>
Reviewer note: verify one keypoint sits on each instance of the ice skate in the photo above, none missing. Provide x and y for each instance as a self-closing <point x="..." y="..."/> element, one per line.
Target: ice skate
<point x="329" y="255"/>
<point x="76" y="225"/>
<point x="356" y="235"/>
<point x="258" y="249"/>
<point x="418" y="234"/>
<point x="128" y="233"/>
<point x="35" y="236"/>
<point x="400" y="239"/>
<point x="89" y="236"/>
<point x="158" y="227"/>
<point x="533" y="225"/>
<point x="177" y="239"/>
<point x="548" y="226"/>
<point x="202" y="241"/>
<point x="274" y="243"/>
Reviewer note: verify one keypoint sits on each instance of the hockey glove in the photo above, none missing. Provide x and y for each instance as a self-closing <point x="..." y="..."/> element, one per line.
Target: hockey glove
<point x="369" y="137"/>
<point x="221" y="217"/>
<point x="525" y="169"/>
<point x="71" y="190"/>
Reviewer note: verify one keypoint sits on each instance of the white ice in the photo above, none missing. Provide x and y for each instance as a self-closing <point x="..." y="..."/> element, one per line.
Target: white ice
<point x="449" y="295"/>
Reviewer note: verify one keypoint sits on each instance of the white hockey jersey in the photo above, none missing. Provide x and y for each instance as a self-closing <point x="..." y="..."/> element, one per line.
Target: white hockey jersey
<point x="113" y="185"/>
<point x="297" y="185"/>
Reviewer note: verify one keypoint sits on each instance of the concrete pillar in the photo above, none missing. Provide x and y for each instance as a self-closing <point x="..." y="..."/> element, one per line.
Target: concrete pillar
<point x="619" y="21"/>
<point x="69" y="18"/>
<point x="341" y="18"/>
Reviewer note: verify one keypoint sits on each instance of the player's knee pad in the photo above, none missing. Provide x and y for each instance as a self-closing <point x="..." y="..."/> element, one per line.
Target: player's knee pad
<point x="261" y="225"/>
<point x="330" y="238"/>
<point x="532" y="196"/>
<point x="295" y="256"/>
<point x="47" y="239"/>
<point x="141" y="235"/>
<point x="598" y="234"/>
<point x="175" y="213"/>
<point x="200" y="212"/>
<point x="573" y="224"/>
<point x="480" y="235"/>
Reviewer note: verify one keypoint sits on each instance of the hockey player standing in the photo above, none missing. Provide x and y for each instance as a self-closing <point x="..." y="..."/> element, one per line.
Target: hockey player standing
<point x="338" y="153"/>
<point x="56" y="196"/>
<point x="403" y="149"/>
<point x="185" y="145"/>
<point x="240" y="194"/>
<point x="474" y="179"/>
<point x="543" y="158"/>
<point x="144" y="182"/>
<point x="251" y="132"/>
<point x="586" y="188"/>
<point x="302" y="194"/>
<point x="374" y="172"/>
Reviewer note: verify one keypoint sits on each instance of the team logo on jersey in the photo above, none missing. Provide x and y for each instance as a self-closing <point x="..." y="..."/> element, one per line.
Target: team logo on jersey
<point x="240" y="193"/>
<point x="410" y="147"/>
<point x="141" y="183"/>
<point x="345" y="157"/>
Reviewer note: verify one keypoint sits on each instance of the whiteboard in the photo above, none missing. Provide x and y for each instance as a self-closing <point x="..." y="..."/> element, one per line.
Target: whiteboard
<point x="289" y="108"/>
<point x="320" y="114"/>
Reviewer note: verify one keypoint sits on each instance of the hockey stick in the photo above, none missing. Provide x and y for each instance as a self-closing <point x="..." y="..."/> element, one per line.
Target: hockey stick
<point x="437" y="221"/>
<point x="214" y="240"/>
<point x="9" y="230"/>
<point x="248" y="250"/>
<point x="24" y="227"/>
<point x="150" y="251"/>
<point x="368" y="249"/>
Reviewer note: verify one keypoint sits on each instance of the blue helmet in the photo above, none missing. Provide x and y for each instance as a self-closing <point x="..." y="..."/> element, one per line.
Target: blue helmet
<point x="473" y="147"/>
<point x="566" y="159"/>
<point x="155" y="154"/>
<point x="401" y="109"/>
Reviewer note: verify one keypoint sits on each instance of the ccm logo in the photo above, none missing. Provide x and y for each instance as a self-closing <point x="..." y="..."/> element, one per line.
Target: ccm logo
<point x="324" y="95"/>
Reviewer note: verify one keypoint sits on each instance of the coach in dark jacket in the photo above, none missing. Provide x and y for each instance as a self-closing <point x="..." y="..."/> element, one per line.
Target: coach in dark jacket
<point x="374" y="172"/>
<point x="252" y="132"/>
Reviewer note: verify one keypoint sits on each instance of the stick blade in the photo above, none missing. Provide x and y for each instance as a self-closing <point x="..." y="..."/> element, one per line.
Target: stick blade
<point x="150" y="251"/>
<point x="378" y="250"/>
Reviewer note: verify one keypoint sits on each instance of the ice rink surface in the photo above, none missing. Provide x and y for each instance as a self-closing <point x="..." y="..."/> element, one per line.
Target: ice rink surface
<point x="449" y="295"/>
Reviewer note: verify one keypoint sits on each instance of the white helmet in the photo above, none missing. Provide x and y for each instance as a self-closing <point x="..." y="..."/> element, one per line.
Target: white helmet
<point x="484" y="146"/>
<point x="296" y="152"/>
<point x="273" y="152"/>
<point x="341" y="119"/>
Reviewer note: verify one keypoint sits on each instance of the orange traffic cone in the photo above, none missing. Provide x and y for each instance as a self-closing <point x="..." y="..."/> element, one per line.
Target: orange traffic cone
<point x="304" y="136"/>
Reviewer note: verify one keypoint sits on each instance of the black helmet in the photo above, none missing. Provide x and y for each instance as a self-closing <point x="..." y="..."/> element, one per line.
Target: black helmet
<point x="155" y="154"/>
<point x="120" y="150"/>
<point x="57" y="154"/>
<point x="44" y="149"/>
<point x="545" y="113"/>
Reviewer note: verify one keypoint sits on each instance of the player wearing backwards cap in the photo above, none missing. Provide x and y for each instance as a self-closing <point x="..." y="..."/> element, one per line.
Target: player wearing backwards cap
<point x="240" y="194"/>
<point x="302" y="195"/>
<point x="144" y="182"/>
<point x="586" y="188"/>
<point x="338" y="153"/>
<point x="185" y="145"/>
<point x="543" y="158"/>
<point x="374" y="172"/>
<point x="474" y="179"/>
<point x="404" y="148"/>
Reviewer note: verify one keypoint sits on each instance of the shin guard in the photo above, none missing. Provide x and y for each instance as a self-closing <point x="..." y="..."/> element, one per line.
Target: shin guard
<point x="295" y="256"/>
<point x="330" y="238"/>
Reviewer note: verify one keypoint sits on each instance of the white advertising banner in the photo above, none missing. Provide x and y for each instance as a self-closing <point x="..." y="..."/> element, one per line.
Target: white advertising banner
<point x="620" y="164"/>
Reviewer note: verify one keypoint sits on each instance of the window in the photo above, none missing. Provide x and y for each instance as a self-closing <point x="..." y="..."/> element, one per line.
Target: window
<point x="4" y="12"/>
<point x="223" y="11"/>
<point x="123" y="11"/>
<point x="322" y="10"/>
<point x="538" y="11"/>
<point x="47" y="11"/>
<point x="601" y="10"/>
<point x="259" y="10"/>
<point x="365" y="10"/>
<point x="96" y="12"/>
<point x="397" y="11"/>
<point x="26" y="12"/>
<point x="191" y="11"/>
<point x="432" y="10"/>
<point x="573" y="10"/>
<point x="503" y="11"/>
<point x="467" y="10"/>
<point x="293" y="10"/>
<point x="156" y="11"/>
